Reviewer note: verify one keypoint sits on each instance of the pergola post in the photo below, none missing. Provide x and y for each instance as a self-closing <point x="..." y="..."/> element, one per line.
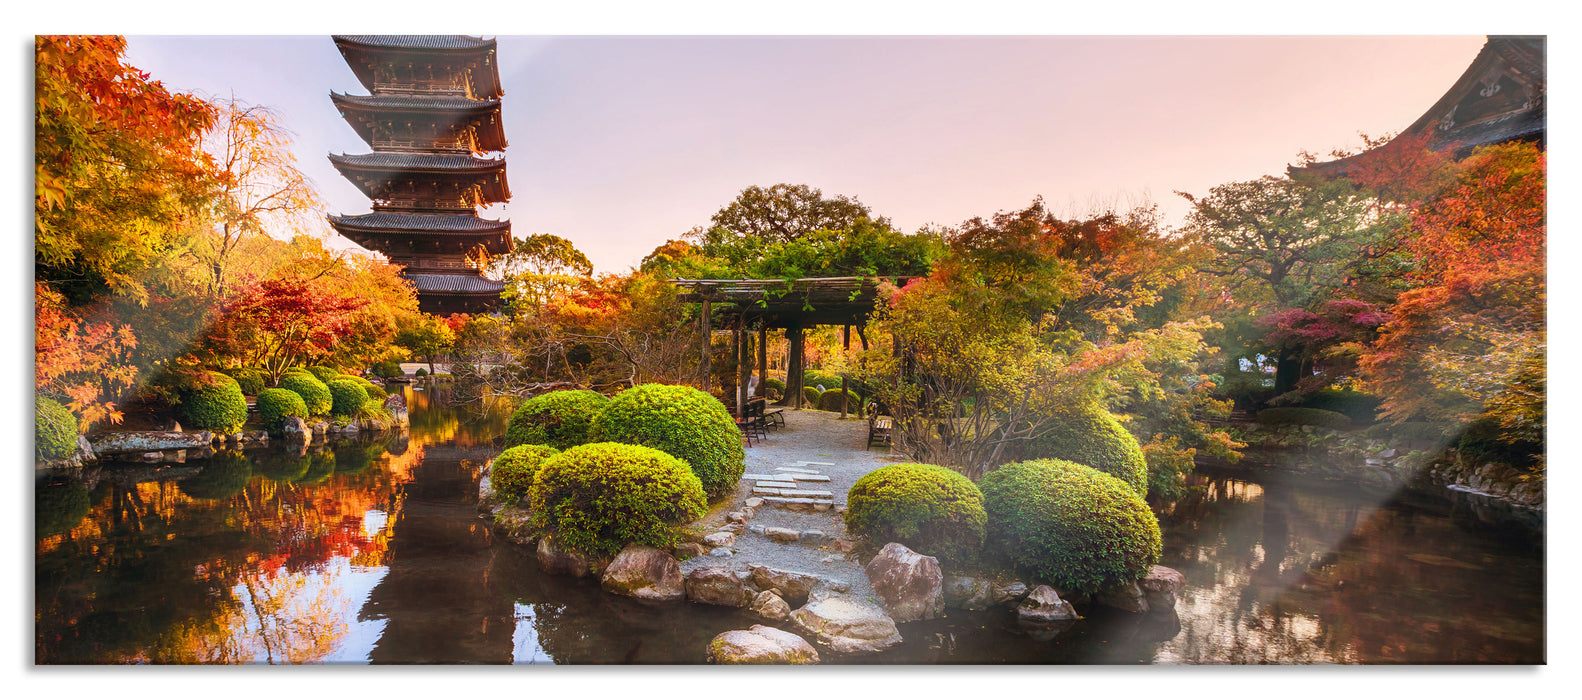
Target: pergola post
<point x="744" y="370"/>
<point x="703" y="364"/>
<point x="794" y="365"/>
<point x="845" y="344"/>
<point x="763" y="356"/>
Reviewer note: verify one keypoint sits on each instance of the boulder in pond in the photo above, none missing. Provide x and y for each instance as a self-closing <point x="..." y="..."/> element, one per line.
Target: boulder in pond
<point x="770" y="606"/>
<point x="794" y="585"/>
<point x="1010" y="593"/>
<point x="967" y="593"/>
<point x="761" y="645"/>
<point x="1128" y="597"/>
<point x="716" y="585"/>
<point x="1161" y="586"/>
<point x="396" y="405"/>
<point x="297" y="431"/>
<point x="645" y="573"/>
<point x="1044" y="606"/>
<point x="847" y="626"/>
<point x="555" y="560"/>
<point x="908" y="584"/>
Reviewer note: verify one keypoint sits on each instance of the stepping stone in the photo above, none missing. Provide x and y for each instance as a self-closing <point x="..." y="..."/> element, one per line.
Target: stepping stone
<point x="813" y="464"/>
<point x="794" y="469"/>
<point x="792" y="493"/>
<point x="796" y="503"/>
<point x="782" y="534"/>
<point x="810" y="477"/>
<point x="761" y="491"/>
<point x="759" y="477"/>
<point x="775" y="484"/>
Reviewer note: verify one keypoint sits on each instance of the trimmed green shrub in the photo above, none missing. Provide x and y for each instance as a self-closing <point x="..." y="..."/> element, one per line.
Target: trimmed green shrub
<point x="816" y="378"/>
<point x="345" y="396"/>
<point x="324" y="374"/>
<point x="928" y="508"/>
<point x="387" y="369"/>
<point x="810" y="396"/>
<point x="376" y="394"/>
<point x="513" y="470"/>
<point x="773" y="388"/>
<point x="297" y="370"/>
<point x="1087" y="434"/>
<point x="58" y="505"/>
<point x="276" y="405"/>
<point x="1071" y="525"/>
<point x="683" y="422"/>
<point x="420" y="372"/>
<point x="314" y="393"/>
<point x="560" y="419"/>
<point x="54" y="430"/>
<point x="600" y="497"/>
<point x="224" y="476"/>
<point x="831" y="400"/>
<point x="1304" y="416"/>
<point x="250" y="380"/>
<point x="214" y="403"/>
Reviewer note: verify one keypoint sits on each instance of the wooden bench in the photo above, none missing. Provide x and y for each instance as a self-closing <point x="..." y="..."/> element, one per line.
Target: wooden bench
<point x="880" y="425"/>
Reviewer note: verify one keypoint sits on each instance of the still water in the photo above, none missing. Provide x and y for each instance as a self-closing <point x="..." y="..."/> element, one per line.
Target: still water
<point x="371" y="551"/>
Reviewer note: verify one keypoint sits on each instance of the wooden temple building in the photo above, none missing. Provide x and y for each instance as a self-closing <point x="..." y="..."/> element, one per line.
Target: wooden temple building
<point x="1498" y="99"/>
<point x="432" y="114"/>
<point x="749" y="307"/>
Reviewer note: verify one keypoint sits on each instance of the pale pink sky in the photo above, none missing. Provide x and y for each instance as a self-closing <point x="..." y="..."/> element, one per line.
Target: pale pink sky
<point x="619" y="143"/>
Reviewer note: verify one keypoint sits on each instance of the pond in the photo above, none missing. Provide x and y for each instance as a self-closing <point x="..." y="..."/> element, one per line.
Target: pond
<point x="372" y="551"/>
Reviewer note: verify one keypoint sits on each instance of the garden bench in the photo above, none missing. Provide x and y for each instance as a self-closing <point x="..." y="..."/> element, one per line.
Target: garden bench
<point x="880" y="425"/>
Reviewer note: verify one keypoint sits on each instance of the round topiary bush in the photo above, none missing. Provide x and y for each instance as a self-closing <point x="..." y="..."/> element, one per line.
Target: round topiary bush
<point x="314" y="393"/>
<point x="215" y="402"/>
<point x="1304" y="416"/>
<point x="345" y="396"/>
<point x="324" y="374"/>
<point x="683" y="422"/>
<point x="817" y="378"/>
<point x="513" y="470"/>
<point x="224" y="476"/>
<point x="387" y="369"/>
<point x="1073" y="526"/>
<point x="831" y="400"/>
<point x="420" y="372"/>
<point x="810" y="396"/>
<point x="276" y="405"/>
<point x="1087" y="434"/>
<point x="54" y="430"/>
<point x="600" y="497"/>
<point x="250" y="380"/>
<point x="928" y="508"/>
<point x="376" y="393"/>
<point x="773" y="388"/>
<point x="560" y="419"/>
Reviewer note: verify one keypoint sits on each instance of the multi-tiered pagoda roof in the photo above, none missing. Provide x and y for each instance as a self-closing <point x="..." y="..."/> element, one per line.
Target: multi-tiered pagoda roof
<point x="434" y="110"/>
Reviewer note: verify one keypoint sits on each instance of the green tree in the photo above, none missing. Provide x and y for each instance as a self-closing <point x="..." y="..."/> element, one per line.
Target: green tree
<point x="787" y="212"/>
<point x="537" y="268"/>
<point x="426" y="337"/>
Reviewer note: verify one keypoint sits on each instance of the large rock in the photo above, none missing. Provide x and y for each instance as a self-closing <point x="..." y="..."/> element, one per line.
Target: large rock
<point x="396" y="405"/>
<point x="1161" y="586"/>
<point x="1123" y="596"/>
<point x="1044" y="606"/>
<point x="1011" y="593"/>
<point x="82" y="453"/>
<point x="909" y="585"/>
<point x="555" y="560"/>
<point x="146" y="441"/>
<point x="297" y="431"/>
<point x="770" y="606"/>
<point x="794" y="585"/>
<point x="719" y="539"/>
<point x="716" y="585"/>
<point x="967" y="593"/>
<point x="847" y="626"/>
<point x="761" y="645"/>
<point x="645" y="573"/>
<point x="688" y="550"/>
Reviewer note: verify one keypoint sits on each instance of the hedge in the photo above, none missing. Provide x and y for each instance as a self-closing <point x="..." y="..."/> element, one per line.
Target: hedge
<point x="1085" y="433"/>
<point x="346" y="395"/>
<point x="928" y="508"/>
<point x="215" y="402"/>
<point x="560" y="419"/>
<point x="513" y="470"/>
<point x="600" y="497"/>
<point x="54" y="430"/>
<point x="276" y="405"/>
<point x="1070" y="525"/>
<point x="314" y="393"/>
<point x="831" y="400"/>
<point x="682" y="421"/>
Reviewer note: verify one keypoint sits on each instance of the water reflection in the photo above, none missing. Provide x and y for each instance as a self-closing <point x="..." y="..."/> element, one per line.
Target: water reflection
<point x="371" y="551"/>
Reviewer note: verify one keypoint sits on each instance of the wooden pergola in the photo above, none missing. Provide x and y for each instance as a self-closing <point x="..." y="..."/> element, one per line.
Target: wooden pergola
<point x="795" y="305"/>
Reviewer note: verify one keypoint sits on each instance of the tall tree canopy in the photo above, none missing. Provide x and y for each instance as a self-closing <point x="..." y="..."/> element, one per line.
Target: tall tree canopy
<point x="787" y="212"/>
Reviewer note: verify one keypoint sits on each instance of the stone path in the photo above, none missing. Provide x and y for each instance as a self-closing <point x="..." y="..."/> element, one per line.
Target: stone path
<point x="787" y="512"/>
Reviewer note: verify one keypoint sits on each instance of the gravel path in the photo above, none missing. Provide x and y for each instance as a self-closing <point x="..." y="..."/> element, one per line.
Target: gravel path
<point x="814" y="441"/>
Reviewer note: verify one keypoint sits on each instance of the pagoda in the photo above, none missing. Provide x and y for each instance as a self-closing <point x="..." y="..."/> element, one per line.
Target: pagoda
<point x="432" y="114"/>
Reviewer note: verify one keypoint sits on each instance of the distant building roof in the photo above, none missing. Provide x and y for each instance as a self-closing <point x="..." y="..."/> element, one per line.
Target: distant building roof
<point x="456" y="284"/>
<point x="363" y="51"/>
<point x="416" y="41"/>
<point x="1499" y="98"/>
<point x="420" y="223"/>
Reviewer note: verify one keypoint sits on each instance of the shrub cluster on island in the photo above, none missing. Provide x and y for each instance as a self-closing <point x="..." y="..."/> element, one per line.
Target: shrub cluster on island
<point x="607" y="487"/>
